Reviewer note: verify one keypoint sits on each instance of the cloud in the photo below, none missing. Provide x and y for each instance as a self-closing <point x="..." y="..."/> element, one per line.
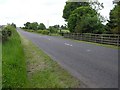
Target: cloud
<point x="21" y="11"/>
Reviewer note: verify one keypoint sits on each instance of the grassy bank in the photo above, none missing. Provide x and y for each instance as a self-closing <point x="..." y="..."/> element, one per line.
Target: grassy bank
<point x="43" y="72"/>
<point x="98" y="44"/>
<point x="13" y="62"/>
<point x="0" y="65"/>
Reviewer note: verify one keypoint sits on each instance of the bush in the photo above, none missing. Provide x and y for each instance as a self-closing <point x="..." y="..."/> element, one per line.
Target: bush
<point x="0" y="36"/>
<point x="39" y="31"/>
<point x="45" y="32"/>
<point x="31" y="30"/>
<point x="7" y="32"/>
<point x="13" y="62"/>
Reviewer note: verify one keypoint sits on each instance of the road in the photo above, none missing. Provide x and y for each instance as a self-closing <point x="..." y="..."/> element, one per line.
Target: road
<point x="95" y="66"/>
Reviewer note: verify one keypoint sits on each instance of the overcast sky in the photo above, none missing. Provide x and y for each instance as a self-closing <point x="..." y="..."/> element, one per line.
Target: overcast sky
<point x="48" y="12"/>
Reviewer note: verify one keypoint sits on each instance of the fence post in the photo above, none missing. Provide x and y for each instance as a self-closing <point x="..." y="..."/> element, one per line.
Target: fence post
<point x="101" y="38"/>
<point x="118" y="41"/>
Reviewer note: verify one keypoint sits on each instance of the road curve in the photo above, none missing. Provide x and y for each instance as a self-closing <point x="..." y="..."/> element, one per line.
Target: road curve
<point x="96" y="66"/>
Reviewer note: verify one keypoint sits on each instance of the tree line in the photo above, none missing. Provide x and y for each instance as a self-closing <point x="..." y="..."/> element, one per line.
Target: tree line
<point x="83" y="17"/>
<point x="41" y="26"/>
<point x="34" y="26"/>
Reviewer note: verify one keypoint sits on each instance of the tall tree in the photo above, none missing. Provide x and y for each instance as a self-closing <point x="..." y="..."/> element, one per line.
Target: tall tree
<point x="114" y="22"/>
<point x="41" y="26"/>
<point x="83" y="17"/>
<point x="84" y="20"/>
<point x="27" y="25"/>
<point x="14" y="25"/>
<point x="34" y="26"/>
<point x="71" y="6"/>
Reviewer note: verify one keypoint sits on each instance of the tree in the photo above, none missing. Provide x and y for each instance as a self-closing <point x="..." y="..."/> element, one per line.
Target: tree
<point x="52" y="29"/>
<point x="27" y="25"/>
<point x="114" y="22"/>
<point x="84" y="20"/>
<point x="71" y="6"/>
<point x="33" y="25"/>
<point x="14" y="25"/>
<point x="56" y="27"/>
<point x="41" y="26"/>
<point x="83" y="17"/>
<point x="72" y="22"/>
<point x="64" y="26"/>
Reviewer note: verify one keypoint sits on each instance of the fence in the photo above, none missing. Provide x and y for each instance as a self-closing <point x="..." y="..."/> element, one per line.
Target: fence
<point x="111" y="39"/>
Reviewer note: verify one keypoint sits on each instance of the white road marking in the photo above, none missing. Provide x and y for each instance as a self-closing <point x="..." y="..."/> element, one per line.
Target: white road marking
<point x="88" y="50"/>
<point x="48" y="38"/>
<point x="71" y="45"/>
<point x="68" y="44"/>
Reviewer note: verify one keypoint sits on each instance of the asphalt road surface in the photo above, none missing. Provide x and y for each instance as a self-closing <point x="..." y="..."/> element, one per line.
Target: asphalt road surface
<point x="95" y="66"/>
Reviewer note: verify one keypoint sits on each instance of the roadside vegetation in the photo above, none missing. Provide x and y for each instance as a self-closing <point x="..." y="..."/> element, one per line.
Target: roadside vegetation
<point x="0" y="57"/>
<point x="13" y="61"/>
<point x="43" y="72"/>
<point x="55" y="30"/>
<point x="0" y="64"/>
<point x="84" y="17"/>
<point x="25" y="66"/>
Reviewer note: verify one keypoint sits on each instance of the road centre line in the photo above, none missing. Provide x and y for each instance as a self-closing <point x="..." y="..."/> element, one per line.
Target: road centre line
<point x="48" y="38"/>
<point x="68" y="44"/>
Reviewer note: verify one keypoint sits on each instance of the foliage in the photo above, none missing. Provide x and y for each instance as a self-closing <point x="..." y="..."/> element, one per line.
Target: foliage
<point x="45" y="32"/>
<point x="14" y="25"/>
<point x="27" y="25"/>
<point x="33" y="26"/>
<point x="83" y="17"/>
<point x="7" y="32"/>
<point x="64" y="26"/>
<point x="114" y="22"/>
<point x="84" y="20"/>
<point x="71" y="6"/>
<point x="13" y="62"/>
<point x="0" y="35"/>
<point x="53" y="29"/>
<point x="41" y="26"/>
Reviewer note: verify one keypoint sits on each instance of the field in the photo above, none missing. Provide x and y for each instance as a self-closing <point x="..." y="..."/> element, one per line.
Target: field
<point x="13" y="62"/>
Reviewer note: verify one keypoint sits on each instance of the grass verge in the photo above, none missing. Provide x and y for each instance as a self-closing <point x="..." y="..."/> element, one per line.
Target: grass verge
<point x="43" y="72"/>
<point x="13" y="62"/>
<point x="98" y="44"/>
<point x="0" y="64"/>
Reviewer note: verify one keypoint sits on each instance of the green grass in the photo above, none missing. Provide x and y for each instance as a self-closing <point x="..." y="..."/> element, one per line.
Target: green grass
<point x="64" y="31"/>
<point x="98" y="44"/>
<point x="43" y="72"/>
<point x="51" y="34"/>
<point x="13" y="62"/>
<point x="54" y="34"/>
<point x="0" y="65"/>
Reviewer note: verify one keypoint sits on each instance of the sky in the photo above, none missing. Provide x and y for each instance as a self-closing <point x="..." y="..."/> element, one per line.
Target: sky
<point x="48" y="12"/>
